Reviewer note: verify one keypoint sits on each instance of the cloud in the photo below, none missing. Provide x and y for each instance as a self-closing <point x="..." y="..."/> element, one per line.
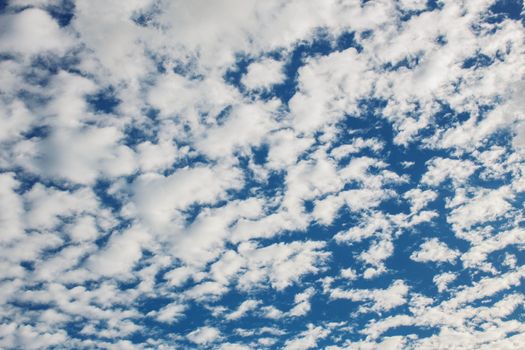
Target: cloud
<point x="204" y="335"/>
<point x="434" y="251"/>
<point x="443" y="280"/>
<point x="302" y="303"/>
<point x="238" y="174"/>
<point x="122" y="252"/>
<point x="159" y="200"/>
<point x="263" y="74"/>
<point x="307" y="339"/>
<point x="170" y="313"/>
<point x="441" y="168"/>
<point x="382" y="299"/>
<point x="484" y="206"/>
<point x="33" y="31"/>
<point x="243" y="309"/>
<point x="11" y="208"/>
<point x="45" y="206"/>
<point x="281" y="264"/>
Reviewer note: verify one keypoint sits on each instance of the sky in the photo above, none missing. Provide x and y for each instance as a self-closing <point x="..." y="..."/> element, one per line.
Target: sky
<point x="242" y="174"/>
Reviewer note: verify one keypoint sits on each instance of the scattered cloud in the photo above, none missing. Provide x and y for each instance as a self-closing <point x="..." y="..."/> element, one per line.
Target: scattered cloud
<point x="261" y="174"/>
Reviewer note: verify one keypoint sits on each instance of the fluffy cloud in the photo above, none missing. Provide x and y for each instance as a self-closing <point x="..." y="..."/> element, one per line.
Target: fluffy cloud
<point x="434" y="251"/>
<point x="204" y="335"/>
<point x="263" y="74"/>
<point x="33" y="31"/>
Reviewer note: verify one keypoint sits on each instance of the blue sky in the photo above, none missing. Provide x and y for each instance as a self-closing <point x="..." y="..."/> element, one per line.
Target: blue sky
<point x="233" y="175"/>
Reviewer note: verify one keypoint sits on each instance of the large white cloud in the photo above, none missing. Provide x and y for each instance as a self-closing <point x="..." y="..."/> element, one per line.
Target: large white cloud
<point x="33" y="31"/>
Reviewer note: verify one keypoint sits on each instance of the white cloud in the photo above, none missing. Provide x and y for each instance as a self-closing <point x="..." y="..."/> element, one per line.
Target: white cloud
<point x="370" y="225"/>
<point x="207" y="291"/>
<point x="245" y="126"/>
<point x="281" y="264"/>
<point x="203" y="240"/>
<point x="243" y="309"/>
<point x="175" y="95"/>
<point x="348" y="274"/>
<point x="11" y="208"/>
<point x="170" y="313"/>
<point x="272" y="313"/>
<point x="382" y="299"/>
<point x="29" y="337"/>
<point x="485" y="205"/>
<point x="159" y="199"/>
<point x="388" y="343"/>
<point x="156" y="157"/>
<point x="307" y="339"/>
<point x="32" y="31"/>
<point x="46" y="206"/>
<point x="84" y="229"/>
<point x="204" y="335"/>
<point x="121" y="253"/>
<point x="478" y="253"/>
<point x="327" y="92"/>
<point x="15" y="118"/>
<point x="83" y="155"/>
<point x="263" y="74"/>
<point x="413" y="4"/>
<point x="443" y="280"/>
<point x="178" y="276"/>
<point x="233" y="346"/>
<point x="356" y="146"/>
<point x="434" y="251"/>
<point x="285" y="147"/>
<point x="441" y="169"/>
<point x="419" y="199"/>
<point x="302" y="303"/>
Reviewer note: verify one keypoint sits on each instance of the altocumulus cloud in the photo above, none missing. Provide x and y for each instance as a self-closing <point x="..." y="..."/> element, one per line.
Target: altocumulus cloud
<point x="282" y="174"/>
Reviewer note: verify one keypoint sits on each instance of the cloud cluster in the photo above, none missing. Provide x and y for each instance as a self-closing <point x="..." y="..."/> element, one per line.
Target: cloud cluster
<point x="262" y="174"/>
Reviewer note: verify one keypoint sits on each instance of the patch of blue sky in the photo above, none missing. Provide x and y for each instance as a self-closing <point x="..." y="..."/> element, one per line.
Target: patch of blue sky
<point x="512" y="9"/>
<point x="103" y="101"/>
